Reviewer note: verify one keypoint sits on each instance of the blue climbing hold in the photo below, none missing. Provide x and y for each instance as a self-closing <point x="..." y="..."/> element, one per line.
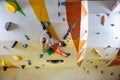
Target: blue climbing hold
<point x="47" y="23"/>
<point x="63" y="3"/>
<point x="41" y="55"/>
<point x="25" y="45"/>
<point x="112" y="24"/>
<point x="7" y="25"/>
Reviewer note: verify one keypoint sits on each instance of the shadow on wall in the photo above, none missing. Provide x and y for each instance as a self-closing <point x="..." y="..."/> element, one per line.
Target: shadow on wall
<point x="101" y="6"/>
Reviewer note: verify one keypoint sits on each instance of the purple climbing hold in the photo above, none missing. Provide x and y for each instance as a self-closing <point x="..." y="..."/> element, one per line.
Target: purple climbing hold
<point x="63" y="19"/>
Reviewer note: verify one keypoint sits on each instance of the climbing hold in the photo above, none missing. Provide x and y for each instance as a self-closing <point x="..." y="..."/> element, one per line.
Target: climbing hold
<point x="63" y="19"/>
<point x="68" y="54"/>
<point x="97" y="52"/>
<point x="55" y="61"/>
<point x="5" y="68"/>
<point x="96" y="67"/>
<point x="11" y="7"/>
<point x="47" y="23"/>
<point x="63" y="44"/>
<point x="109" y="46"/>
<point x="70" y="29"/>
<point x="111" y="74"/>
<point x="41" y="55"/>
<point x="49" y="51"/>
<point x="107" y="14"/>
<point x="103" y="20"/>
<point x="97" y="15"/>
<point x="7" y="25"/>
<point x="37" y="67"/>
<point x="29" y="62"/>
<point x="91" y="62"/>
<point x="112" y="24"/>
<point x="17" y="58"/>
<point x="14" y="44"/>
<point x="25" y="45"/>
<point x="4" y="46"/>
<point x="26" y="36"/>
<point x="98" y="33"/>
<point x="116" y="37"/>
<point x="43" y="65"/>
<point x="23" y="66"/>
<point x="102" y="72"/>
<point x="88" y="71"/>
<point x="6" y="63"/>
<point x="64" y="3"/>
<point x="58" y="3"/>
<point x="58" y="14"/>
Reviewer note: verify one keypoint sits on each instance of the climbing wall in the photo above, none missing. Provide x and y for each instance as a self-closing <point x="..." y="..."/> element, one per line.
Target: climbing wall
<point x="96" y="51"/>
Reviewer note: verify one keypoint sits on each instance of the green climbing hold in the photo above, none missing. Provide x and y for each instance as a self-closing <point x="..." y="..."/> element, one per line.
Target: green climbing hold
<point x="18" y="7"/>
<point x="49" y="51"/>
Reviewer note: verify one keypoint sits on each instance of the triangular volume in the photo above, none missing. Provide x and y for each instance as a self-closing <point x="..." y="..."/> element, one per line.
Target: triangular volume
<point x="23" y="66"/>
<point x="5" y="68"/>
<point x="116" y="61"/>
<point x="40" y="10"/>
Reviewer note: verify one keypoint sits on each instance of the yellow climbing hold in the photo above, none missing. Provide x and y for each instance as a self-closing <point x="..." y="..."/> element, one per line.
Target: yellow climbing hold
<point x="17" y="58"/>
<point x="11" y="7"/>
<point x="6" y="63"/>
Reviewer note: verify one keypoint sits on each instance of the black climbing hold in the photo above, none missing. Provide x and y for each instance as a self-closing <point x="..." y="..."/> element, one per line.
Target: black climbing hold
<point x="37" y="67"/>
<point x="55" y="61"/>
<point x="87" y="71"/>
<point x="14" y="44"/>
<point x="68" y="54"/>
<point x="96" y="67"/>
<point x="5" y="68"/>
<point x="112" y="24"/>
<point x="26" y="36"/>
<point x="58" y="3"/>
<point x="102" y="72"/>
<point x="23" y="66"/>
<point x="44" y="28"/>
<point x="7" y="25"/>
<point x="58" y="14"/>
<point x="91" y="62"/>
<point x="63" y="44"/>
<point x="111" y="74"/>
<point x="70" y="29"/>
<point x="29" y="62"/>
